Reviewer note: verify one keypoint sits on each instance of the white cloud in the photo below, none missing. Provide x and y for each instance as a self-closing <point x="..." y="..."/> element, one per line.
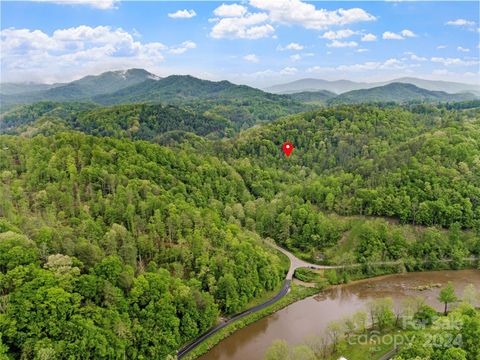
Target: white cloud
<point x="263" y="78"/>
<point x="418" y="58"/>
<point x="296" y="12"/>
<point x="462" y="49"/>
<point x="455" y="76"/>
<point x="407" y="33"/>
<point x="460" y="22"/>
<point x="183" y="14"/>
<point x="183" y="47"/>
<point x="361" y="50"/>
<point x="369" y="37"/>
<point x="320" y="69"/>
<point x="342" y="44"/>
<point x="441" y="46"/>
<point x="251" y="58"/>
<point x="294" y="46"/>
<point x="295" y="57"/>
<point x="248" y="26"/>
<point x="233" y="10"/>
<point x="415" y="57"/>
<point x="340" y="34"/>
<point x="453" y="61"/>
<point x="37" y="56"/>
<point x="388" y="35"/>
<point x="291" y="46"/>
<point x="264" y="74"/>
<point x="234" y="21"/>
<point x="389" y="64"/>
<point x="288" y="71"/>
<point x="98" y="4"/>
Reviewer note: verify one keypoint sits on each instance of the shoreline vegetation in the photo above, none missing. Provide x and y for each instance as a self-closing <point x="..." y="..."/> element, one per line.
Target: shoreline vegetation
<point x="321" y="279"/>
<point x="408" y="330"/>
<point x="295" y="294"/>
<point x="299" y="292"/>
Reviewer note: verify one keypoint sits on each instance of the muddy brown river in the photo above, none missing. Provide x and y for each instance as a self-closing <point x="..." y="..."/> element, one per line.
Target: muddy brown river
<point x="310" y="316"/>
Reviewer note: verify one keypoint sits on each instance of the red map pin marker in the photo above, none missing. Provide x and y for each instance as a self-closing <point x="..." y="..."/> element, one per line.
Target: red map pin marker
<point x="287" y="148"/>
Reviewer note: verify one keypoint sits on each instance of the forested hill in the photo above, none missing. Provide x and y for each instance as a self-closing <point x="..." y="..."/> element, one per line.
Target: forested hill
<point x="148" y="121"/>
<point x="123" y="244"/>
<point x="132" y="249"/>
<point x="181" y="88"/>
<point x="420" y="165"/>
<point x="133" y="121"/>
<point x="244" y="106"/>
<point x="316" y="97"/>
<point x="400" y="93"/>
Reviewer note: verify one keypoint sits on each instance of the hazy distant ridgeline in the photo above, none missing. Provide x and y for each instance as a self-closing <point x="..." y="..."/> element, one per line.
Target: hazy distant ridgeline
<point x="78" y="90"/>
<point x="342" y="86"/>
<point x="138" y="85"/>
<point x="398" y="92"/>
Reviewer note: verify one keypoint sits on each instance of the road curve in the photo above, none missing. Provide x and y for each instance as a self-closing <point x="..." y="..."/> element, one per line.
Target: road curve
<point x="295" y="263"/>
<point x="192" y="345"/>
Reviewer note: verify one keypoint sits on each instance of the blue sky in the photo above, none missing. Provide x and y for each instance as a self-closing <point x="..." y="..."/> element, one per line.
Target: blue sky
<point x="255" y="42"/>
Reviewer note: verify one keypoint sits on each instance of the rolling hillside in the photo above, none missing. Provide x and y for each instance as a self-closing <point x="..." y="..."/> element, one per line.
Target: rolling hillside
<point x="181" y="88"/>
<point x="313" y="97"/>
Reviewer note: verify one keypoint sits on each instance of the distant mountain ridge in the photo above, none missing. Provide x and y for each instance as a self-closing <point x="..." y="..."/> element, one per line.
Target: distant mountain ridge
<point x="398" y="92"/>
<point x="239" y="101"/>
<point x="19" y="88"/>
<point x="342" y="86"/>
<point x="83" y="89"/>
<point x="310" y="84"/>
<point x="179" y="88"/>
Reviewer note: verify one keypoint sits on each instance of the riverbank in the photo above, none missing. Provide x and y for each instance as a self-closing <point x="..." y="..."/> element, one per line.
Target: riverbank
<point x="296" y="293"/>
<point x="282" y="299"/>
<point x="310" y="316"/>
<point x="257" y="306"/>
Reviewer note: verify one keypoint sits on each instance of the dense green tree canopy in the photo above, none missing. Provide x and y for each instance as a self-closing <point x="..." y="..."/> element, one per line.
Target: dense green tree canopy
<point x="140" y="247"/>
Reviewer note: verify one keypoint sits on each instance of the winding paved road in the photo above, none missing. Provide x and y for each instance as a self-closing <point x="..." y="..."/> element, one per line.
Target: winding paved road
<point x="295" y="263"/>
